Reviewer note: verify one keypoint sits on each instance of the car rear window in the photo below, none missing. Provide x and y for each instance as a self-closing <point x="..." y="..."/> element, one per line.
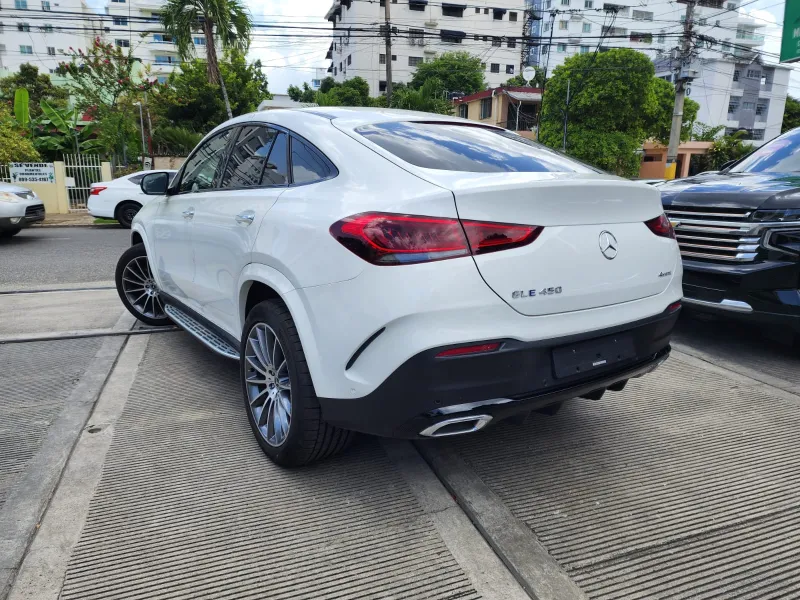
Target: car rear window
<point x="456" y="147"/>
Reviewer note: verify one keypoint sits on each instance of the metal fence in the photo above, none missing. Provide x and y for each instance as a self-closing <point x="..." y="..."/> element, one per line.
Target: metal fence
<point x="5" y="175"/>
<point x="84" y="169"/>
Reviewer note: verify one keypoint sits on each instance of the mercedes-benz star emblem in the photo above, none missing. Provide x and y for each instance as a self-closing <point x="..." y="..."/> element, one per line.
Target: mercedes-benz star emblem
<point x="608" y="245"/>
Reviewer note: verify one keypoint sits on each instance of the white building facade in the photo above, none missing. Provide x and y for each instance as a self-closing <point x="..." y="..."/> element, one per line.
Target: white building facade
<point x="422" y="30"/>
<point x="733" y="84"/>
<point x="40" y="32"/>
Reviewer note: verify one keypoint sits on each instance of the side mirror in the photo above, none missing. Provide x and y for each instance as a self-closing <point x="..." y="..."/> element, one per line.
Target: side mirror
<point x="155" y="184"/>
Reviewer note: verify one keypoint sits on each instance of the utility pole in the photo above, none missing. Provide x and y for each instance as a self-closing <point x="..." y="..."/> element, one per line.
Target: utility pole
<point x="387" y="18"/>
<point x="566" y="117"/>
<point x="680" y="92"/>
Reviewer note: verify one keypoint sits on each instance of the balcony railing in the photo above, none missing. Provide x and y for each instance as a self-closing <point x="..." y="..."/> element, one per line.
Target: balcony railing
<point x="749" y="35"/>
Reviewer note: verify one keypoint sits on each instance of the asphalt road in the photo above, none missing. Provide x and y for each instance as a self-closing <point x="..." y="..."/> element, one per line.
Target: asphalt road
<point x="60" y="255"/>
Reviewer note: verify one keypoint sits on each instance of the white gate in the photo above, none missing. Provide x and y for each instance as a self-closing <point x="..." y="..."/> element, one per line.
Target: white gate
<point x="5" y="176"/>
<point x="84" y="169"/>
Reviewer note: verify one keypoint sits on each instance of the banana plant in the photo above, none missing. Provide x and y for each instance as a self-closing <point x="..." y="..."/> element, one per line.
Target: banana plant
<point x="22" y="111"/>
<point x="65" y="121"/>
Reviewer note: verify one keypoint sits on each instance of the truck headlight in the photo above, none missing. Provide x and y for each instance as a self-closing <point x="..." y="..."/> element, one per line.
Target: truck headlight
<point x="777" y="215"/>
<point x="9" y="197"/>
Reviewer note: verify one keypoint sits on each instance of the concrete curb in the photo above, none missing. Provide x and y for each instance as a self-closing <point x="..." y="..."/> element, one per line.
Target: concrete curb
<point x="516" y="545"/>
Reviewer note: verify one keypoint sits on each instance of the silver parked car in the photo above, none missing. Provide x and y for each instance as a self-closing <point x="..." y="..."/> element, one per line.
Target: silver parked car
<point x="19" y="207"/>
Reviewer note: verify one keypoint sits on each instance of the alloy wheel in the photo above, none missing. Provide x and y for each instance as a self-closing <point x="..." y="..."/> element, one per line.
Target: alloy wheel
<point x="268" y="386"/>
<point x="141" y="289"/>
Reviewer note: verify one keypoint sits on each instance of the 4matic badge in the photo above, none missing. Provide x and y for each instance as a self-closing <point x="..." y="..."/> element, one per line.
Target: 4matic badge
<point x="550" y="291"/>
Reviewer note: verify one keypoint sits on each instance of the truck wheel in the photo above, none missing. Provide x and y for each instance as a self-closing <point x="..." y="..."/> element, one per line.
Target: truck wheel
<point x="279" y="396"/>
<point x="138" y="289"/>
<point x="125" y="213"/>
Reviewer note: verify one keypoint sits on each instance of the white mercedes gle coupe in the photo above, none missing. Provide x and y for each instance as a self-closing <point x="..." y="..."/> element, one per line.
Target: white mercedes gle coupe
<point x="401" y="274"/>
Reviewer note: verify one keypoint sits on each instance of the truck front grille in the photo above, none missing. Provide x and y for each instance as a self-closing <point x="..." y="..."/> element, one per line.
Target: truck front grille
<point x="715" y="234"/>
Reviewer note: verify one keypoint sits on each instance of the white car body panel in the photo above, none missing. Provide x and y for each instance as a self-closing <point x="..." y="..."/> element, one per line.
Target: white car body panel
<point x="338" y="300"/>
<point x="104" y="204"/>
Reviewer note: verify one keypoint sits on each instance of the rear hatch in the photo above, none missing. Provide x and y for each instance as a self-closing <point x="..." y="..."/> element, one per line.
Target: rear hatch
<point x="565" y="269"/>
<point x="595" y="249"/>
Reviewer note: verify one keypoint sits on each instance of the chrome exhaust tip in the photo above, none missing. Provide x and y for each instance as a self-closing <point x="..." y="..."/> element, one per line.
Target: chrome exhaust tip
<point x="457" y="426"/>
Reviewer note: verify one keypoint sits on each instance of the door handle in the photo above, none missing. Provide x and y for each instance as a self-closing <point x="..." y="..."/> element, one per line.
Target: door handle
<point x="188" y="213"/>
<point x="245" y="217"/>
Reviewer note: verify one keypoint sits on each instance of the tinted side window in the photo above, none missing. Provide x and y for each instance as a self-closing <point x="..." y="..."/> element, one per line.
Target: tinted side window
<point x="247" y="157"/>
<point x="275" y="171"/>
<point x="307" y="165"/>
<point x="455" y="147"/>
<point x="136" y="179"/>
<point x="203" y="165"/>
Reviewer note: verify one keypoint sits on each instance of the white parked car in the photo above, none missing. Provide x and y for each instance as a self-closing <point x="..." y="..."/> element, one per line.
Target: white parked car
<point x="401" y="274"/>
<point x="19" y="208"/>
<point x="121" y="198"/>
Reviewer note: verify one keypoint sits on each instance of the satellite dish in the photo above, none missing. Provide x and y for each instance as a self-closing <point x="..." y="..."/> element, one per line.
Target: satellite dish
<point x="528" y="73"/>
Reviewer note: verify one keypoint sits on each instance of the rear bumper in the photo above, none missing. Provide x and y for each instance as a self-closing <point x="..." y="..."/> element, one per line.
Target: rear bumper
<point x="521" y="376"/>
<point x="765" y="293"/>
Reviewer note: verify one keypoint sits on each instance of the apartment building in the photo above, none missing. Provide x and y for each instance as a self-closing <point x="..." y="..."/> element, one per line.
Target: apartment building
<point x="41" y="31"/>
<point x="422" y="30"/>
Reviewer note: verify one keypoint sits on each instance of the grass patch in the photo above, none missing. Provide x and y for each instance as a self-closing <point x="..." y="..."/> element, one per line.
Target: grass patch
<point x="102" y="221"/>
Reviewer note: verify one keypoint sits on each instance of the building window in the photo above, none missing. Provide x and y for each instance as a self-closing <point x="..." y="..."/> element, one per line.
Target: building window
<point x="512" y="16"/>
<point x="511" y="43"/>
<point x="758" y="134"/>
<point x="486" y="108"/>
<point x="381" y="86"/>
<point x="585" y="49"/>
<point x="414" y="61"/>
<point x="416" y="37"/>
<point x="588" y="4"/>
<point x="494" y="67"/>
<point x="47" y="28"/>
<point x="662" y="38"/>
<point x="509" y="69"/>
<point x="497" y="14"/>
<point x="340" y="65"/>
<point x="753" y="74"/>
<point x="732" y="6"/>
<point x="162" y="79"/>
<point x="463" y="110"/>
<point x="452" y="10"/>
<point x="158" y="37"/>
<point x="118" y="1"/>
<point x="122" y="43"/>
<point x="26" y="49"/>
<point x="451" y="37"/>
<point x="2" y="27"/>
<point x="736" y="75"/>
<point x="643" y="38"/>
<point x="122" y="21"/>
<point x="703" y="21"/>
<point x="497" y="42"/>
<point x="46" y="5"/>
<point x="417" y="6"/>
<point x="23" y="27"/>
<point x="486" y="11"/>
<point x="335" y="71"/>
<point x="564" y="2"/>
<point x="161" y="59"/>
<point x="748" y="105"/>
<point x="350" y="59"/>
<point x="563" y="25"/>
<point x="544" y="50"/>
<point x="546" y="27"/>
<point x="561" y="48"/>
<point x="51" y="51"/>
<point x="733" y="106"/>
<point x="643" y="15"/>
<point x="199" y="41"/>
<point x="477" y="10"/>
<point x="21" y="4"/>
<point x="382" y="59"/>
<point x="761" y="108"/>
<point x="587" y="28"/>
<point x="765" y="80"/>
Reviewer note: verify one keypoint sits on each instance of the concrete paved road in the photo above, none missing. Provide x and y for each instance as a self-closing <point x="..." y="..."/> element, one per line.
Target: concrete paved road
<point x="60" y="255"/>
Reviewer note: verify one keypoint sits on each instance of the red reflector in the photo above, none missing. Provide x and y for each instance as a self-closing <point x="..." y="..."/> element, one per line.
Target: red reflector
<point x="390" y="239"/>
<point x="476" y="349"/>
<point x="490" y="237"/>
<point x="661" y="226"/>
<point x="96" y="190"/>
<point x="674" y="306"/>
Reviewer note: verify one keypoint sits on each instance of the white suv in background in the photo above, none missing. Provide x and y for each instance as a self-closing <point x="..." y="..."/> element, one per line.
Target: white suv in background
<point x="401" y="274"/>
<point x="120" y="198"/>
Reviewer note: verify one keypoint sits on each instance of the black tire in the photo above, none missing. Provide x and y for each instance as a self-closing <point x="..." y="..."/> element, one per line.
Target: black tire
<point x="309" y="437"/>
<point x="7" y="233"/>
<point x="125" y="213"/>
<point x="134" y="252"/>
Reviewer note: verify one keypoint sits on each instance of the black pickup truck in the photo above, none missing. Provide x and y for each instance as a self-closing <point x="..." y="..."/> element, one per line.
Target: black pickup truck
<point x="739" y="235"/>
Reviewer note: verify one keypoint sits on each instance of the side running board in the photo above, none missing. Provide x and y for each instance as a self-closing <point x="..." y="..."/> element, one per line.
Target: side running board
<point x="202" y="333"/>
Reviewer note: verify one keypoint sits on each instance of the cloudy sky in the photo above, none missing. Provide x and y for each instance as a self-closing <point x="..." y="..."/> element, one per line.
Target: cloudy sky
<point x="291" y="60"/>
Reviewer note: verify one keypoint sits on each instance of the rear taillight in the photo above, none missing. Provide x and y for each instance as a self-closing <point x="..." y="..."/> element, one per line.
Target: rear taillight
<point x="674" y="306"/>
<point x="96" y="190"/>
<point x="390" y="239"/>
<point x="473" y="349"/>
<point x="661" y="226"/>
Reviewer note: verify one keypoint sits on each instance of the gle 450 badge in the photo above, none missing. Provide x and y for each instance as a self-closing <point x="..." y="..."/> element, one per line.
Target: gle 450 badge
<point x="550" y="291"/>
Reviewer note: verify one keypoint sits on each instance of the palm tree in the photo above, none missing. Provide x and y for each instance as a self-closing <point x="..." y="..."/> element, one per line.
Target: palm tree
<point x="229" y="20"/>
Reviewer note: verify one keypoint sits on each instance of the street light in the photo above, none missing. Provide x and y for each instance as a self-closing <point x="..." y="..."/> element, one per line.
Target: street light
<point x="141" y="128"/>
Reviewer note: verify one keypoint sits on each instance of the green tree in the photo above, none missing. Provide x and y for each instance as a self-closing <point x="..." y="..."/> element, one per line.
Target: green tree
<point x="39" y="87"/>
<point x="14" y="147"/>
<point x="189" y="101"/>
<point x="327" y="84"/>
<point x="791" y="114"/>
<point x="428" y="98"/>
<point x="456" y="71"/>
<point x="353" y="92"/>
<point x="724" y="149"/>
<point x="226" y="22"/>
<point x="661" y="117"/>
<point x="705" y="133"/>
<point x="306" y="94"/>
<point x="518" y="81"/>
